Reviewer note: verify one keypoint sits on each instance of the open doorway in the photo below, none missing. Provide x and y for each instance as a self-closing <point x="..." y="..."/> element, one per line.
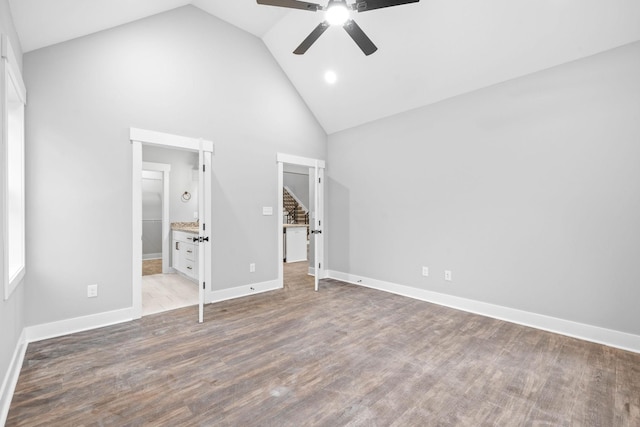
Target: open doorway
<point x="169" y="202"/>
<point x="300" y="241"/>
<point x="296" y="213"/>
<point x="190" y="248"/>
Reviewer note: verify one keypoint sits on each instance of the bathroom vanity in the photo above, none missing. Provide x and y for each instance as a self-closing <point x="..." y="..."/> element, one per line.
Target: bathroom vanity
<point x="184" y="251"/>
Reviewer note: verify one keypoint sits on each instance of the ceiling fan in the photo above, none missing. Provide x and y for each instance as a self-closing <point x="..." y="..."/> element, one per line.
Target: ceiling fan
<point x="337" y="13"/>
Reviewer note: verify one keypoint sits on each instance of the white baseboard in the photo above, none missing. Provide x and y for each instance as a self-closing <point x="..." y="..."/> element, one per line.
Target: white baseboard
<point x="244" y="290"/>
<point x="77" y="324"/>
<point x="152" y="256"/>
<point x="10" y="379"/>
<point x="609" y="337"/>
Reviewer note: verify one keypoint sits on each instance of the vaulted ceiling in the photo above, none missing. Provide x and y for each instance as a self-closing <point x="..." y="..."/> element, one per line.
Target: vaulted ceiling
<point x="427" y="51"/>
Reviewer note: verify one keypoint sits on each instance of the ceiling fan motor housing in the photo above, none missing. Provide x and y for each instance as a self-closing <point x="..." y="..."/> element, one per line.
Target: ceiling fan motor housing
<point x="337" y="14"/>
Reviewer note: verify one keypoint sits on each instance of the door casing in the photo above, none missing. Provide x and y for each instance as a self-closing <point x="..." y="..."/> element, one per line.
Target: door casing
<point x="315" y="164"/>
<point x="140" y="137"/>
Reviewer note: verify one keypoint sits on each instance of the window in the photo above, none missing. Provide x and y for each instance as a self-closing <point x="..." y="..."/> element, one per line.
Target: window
<point x="12" y="99"/>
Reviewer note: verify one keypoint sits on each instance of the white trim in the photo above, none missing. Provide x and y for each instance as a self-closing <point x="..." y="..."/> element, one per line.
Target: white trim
<point x="245" y="290"/>
<point x="147" y="257"/>
<point x="147" y="137"/>
<point x="318" y="213"/>
<point x="136" y="228"/>
<point x="77" y="324"/>
<point x="10" y="379"/>
<point x="281" y="159"/>
<point x="168" y="140"/>
<point x="301" y="161"/>
<point x="596" y="334"/>
<point x="280" y="221"/>
<point x="296" y="198"/>
<point x="12" y="63"/>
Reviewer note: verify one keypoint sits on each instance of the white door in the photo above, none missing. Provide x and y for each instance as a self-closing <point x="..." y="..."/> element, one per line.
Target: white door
<point x="204" y="218"/>
<point x="318" y="224"/>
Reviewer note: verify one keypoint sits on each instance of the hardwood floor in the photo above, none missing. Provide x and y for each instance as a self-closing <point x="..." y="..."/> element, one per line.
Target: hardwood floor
<point x="151" y="266"/>
<point x="345" y="355"/>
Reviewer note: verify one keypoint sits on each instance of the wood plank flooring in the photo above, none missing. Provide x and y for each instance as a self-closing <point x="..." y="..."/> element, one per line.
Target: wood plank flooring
<point x="151" y="266"/>
<point x="346" y="355"/>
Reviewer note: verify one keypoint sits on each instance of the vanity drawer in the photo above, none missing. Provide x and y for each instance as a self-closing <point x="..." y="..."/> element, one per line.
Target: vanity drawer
<point x="185" y="253"/>
<point x="190" y="252"/>
<point x="190" y="268"/>
<point x="183" y="236"/>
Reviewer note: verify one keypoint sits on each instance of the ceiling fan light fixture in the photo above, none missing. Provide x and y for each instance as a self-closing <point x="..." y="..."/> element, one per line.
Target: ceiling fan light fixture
<point x="337" y="13"/>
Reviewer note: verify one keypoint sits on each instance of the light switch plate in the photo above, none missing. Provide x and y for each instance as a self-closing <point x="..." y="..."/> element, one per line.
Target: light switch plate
<point x="267" y="210"/>
<point x="92" y="291"/>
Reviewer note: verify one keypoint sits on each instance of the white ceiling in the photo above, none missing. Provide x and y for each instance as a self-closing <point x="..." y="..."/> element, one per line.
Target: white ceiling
<point x="427" y="51"/>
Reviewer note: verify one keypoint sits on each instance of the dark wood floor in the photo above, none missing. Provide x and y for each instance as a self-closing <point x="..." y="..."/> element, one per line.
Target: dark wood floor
<point x="343" y="356"/>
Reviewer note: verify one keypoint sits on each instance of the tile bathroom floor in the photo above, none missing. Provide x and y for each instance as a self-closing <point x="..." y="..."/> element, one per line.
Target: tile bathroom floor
<point x="163" y="292"/>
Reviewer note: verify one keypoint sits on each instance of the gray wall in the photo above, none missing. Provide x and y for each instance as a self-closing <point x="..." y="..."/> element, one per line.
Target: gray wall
<point x="182" y="72"/>
<point x="180" y="180"/>
<point x="12" y="312"/>
<point x="299" y="185"/>
<point x="529" y="191"/>
<point x="183" y="163"/>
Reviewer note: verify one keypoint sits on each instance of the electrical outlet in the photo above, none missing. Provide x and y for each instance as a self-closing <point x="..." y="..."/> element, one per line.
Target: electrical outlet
<point x="448" y="275"/>
<point x="252" y="267"/>
<point x="425" y="271"/>
<point x="92" y="291"/>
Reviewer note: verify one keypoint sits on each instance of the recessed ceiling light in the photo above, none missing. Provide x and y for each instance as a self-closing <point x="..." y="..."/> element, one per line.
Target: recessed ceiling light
<point x="330" y="77"/>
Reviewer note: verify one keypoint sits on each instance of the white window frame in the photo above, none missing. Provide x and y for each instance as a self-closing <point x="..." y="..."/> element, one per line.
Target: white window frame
<point x="13" y="168"/>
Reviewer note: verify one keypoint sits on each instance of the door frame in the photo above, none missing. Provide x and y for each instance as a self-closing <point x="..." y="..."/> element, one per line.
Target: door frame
<point x="138" y="138"/>
<point x="281" y="159"/>
<point x="165" y="169"/>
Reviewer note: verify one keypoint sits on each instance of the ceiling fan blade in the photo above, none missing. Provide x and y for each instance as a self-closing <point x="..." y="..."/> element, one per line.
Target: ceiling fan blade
<point x="311" y="38"/>
<point x="366" y="5"/>
<point x="359" y="37"/>
<point x="292" y="4"/>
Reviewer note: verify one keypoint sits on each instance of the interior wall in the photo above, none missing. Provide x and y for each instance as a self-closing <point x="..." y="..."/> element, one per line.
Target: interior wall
<point x="182" y="72"/>
<point x="299" y="184"/>
<point x="12" y="311"/>
<point x="528" y="191"/>
<point x="183" y="163"/>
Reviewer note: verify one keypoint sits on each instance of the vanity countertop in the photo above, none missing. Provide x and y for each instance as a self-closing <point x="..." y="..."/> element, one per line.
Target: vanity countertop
<point x="189" y="227"/>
